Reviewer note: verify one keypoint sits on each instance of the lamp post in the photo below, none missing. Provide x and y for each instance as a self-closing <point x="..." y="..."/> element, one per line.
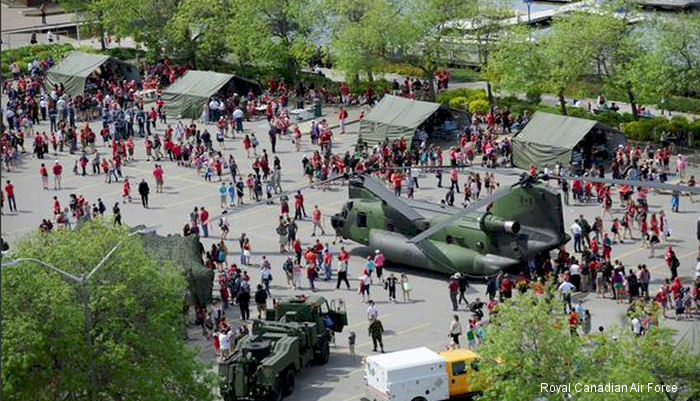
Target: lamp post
<point x="81" y="283"/>
<point x="529" y="7"/>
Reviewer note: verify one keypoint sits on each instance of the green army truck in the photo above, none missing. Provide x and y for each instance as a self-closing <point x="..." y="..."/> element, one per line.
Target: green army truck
<point x="297" y="331"/>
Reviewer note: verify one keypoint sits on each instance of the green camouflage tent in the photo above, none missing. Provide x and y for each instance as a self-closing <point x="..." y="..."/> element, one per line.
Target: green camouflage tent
<point x="183" y="252"/>
<point x="551" y="138"/>
<point x="74" y="70"/>
<point x="394" y="117"/>
<point x="187" y="96"/>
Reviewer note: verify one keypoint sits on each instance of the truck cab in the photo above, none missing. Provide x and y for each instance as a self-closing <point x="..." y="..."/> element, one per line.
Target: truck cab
<point x="461" y="364"/>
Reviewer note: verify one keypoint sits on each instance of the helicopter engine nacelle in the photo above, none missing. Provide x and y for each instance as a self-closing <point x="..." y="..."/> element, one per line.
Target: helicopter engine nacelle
<point x="494" y="224"/>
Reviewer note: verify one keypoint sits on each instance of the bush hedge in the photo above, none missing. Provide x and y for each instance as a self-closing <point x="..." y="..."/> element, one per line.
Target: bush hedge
<point x="470" y="94"/>
<point x="27" y="54"/>
<point x="683" y="104"/>
<point x="459" y="103"/>
<point x="479" y="106"/>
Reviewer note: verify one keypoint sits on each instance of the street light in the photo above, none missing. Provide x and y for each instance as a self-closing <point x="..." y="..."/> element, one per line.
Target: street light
<point x="529" y="6"/>
<point x="81" y="281"/>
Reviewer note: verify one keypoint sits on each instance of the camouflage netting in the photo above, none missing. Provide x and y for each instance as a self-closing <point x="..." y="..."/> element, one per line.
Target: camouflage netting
<point x="184" y="252"/>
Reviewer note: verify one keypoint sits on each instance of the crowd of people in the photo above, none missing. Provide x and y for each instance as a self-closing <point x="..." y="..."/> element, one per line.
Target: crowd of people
<point x="124" y="117"/>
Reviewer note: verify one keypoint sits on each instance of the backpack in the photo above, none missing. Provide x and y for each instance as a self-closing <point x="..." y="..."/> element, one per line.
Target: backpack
<point x="222" y="255"/>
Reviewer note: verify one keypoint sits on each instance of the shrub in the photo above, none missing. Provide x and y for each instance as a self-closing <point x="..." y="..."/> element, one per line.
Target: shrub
<point x="27" y="54"/>
<point x="471" y="94"/>
<point x="479" y="106"/>
<point x="638" y="131"/>
<point x="683" y="104"/>
<point x="694" y="131"/>
<point x="459" y="103"/>
<point x="464" y="75"/>
<point x="533" y="96"/>
<point x="401" y="69"/>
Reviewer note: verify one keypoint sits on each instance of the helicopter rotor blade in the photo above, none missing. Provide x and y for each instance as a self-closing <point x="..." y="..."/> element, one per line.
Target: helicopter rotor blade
<point x="634" y="184"/>
<point x="455" y="217"/>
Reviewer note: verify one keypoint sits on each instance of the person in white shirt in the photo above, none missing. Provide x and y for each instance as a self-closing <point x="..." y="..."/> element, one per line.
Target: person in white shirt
<point x="455" y="330"/>
<point x="238" y="118"/>
<point x="575" y="274"/>
<point x="213" y="111"/>
<point x="372" y="312"/>
<point x="637" y="326"/>
<point x="224" y="344"/>
<point x="566" y="288"/>
<point x="49" y="36"/>
<point x="576" y="232"/>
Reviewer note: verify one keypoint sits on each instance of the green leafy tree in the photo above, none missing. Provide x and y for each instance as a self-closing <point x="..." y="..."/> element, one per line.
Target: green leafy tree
<point x="518" y="64"/>
<point x="286" y="31"/>
<point x="527" y="344"/>
<point x="426" y="34"/>
<point x="90" y="14"/>
<point x="674" y="49"/>
<point x="361" y="31"/>
<point x="135" y="307"/>
<point x="195" y="31"/>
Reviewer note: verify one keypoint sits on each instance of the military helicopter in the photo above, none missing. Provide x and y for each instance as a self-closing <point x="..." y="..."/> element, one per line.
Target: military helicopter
<point x="522" y="221"/>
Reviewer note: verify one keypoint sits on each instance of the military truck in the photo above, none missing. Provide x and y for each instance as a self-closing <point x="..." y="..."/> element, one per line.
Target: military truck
<point x="297" y="331"/>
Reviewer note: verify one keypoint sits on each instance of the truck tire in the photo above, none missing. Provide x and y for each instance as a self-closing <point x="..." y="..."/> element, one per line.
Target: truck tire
<point x="276" y="394"/>
<point x="322" y="356"/>
<point x="289" y="382"/>
<point x="419" y="399"/>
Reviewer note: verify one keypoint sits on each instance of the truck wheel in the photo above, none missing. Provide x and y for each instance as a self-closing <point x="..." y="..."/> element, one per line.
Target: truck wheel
<point x="289" y="382"/>
<point x="323" y="354"/>
<point x="276" y="394"/>
<point x="419" y="399"/>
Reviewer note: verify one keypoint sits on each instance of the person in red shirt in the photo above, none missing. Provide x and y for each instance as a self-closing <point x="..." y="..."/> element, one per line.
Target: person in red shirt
<point x="56" y="207"/>
<point x="204" y="218"/>
<point x="10" y="191"/>
<point x="316" y="217"/>
<point x="342" y="115"/>
<point x="158" y="175"/>
<point x="126" y="191"/>
<point x="397" y="179"/>
<point x="57" y="170"/>
<point x="573" y="323"/>
<point x="44" y="173"/>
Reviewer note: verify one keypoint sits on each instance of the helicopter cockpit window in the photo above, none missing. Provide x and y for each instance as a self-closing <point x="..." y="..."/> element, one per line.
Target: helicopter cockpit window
<point x="362" y="219"/>
<point x="480" y="245"/>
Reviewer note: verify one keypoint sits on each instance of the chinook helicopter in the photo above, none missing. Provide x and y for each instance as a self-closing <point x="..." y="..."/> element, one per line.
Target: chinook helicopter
<point x="521" y="222"/>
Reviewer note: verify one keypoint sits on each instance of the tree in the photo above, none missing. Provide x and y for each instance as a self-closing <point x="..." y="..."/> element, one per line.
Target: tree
<point x="287" y="30"/>
<point x="421" y="34"/>
<point x="675" y="48"/>
<point x="484" y="17"/>
<point x="90" y="14"/>
<point x="138" y="351"/>
<point x="196" y="28"/>
<point x="143" y="20"/>
<point x="527" y="344"/>
<point x="361" y="31"/>
<point x="518" y="64"/>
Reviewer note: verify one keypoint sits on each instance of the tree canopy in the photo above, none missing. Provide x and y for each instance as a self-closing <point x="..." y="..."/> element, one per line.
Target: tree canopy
<point x="136" y="309"/>
<point x="528" y="342"/>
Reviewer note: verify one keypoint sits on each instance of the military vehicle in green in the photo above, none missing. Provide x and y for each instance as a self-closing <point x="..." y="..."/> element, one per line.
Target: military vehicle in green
<point x="297" y="331"/>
